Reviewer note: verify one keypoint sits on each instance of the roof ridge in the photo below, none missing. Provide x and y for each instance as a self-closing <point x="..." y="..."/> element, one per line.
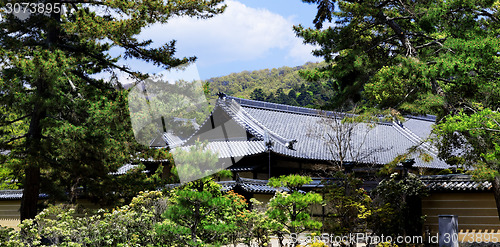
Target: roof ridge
<point x="276" y="106"/>
<point x="296" y="109"/>
<point x="224" y="141"/>
<point x="414" y="138"/>
<point x="234" y="109"/>
<point x="426" y="117"/>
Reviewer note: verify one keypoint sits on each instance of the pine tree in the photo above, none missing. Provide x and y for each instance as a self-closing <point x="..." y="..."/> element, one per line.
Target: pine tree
<point x="73" y="122"/>
<point x="416" y="56"/>
<point x="424" y="57"/>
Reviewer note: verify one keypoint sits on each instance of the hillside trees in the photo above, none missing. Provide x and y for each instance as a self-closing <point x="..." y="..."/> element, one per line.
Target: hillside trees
<point x="73" y="121"/>
<point x="274" y="86"/>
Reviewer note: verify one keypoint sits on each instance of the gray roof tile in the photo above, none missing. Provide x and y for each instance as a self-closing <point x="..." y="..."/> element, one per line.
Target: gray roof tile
<point x="124" y="169"/>
<point x="235" y="148"/>
<point x="250" y="185"/>
<point x="379" y="145"/>
<point x="16" y="195"/>
<point x="455" y="182"/>
<point x="286" y="124"/>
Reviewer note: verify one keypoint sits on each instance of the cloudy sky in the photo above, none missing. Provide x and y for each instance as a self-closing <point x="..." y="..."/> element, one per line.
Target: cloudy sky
<point x="249" y="35"/>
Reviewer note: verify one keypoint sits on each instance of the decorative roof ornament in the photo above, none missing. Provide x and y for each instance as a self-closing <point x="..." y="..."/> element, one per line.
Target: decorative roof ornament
<point x="221" y="95"/>
<point x="268" y="142"/>
<point x="289" y="144"/>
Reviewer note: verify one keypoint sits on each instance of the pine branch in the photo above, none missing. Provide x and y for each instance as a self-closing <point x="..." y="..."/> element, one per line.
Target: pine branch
<point x="14" y="138"/>
<point x="15" y="120"/>
<point x="490" y="15"/>
<point x="434" y="42"/>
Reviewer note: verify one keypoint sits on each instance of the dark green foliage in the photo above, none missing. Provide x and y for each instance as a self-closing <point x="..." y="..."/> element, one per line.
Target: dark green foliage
<point x="289" y="210"/>
<point x="349" y="206"/>
<point x="199" y="214"/>
<point x="419" y="57"/>
<point x="397" y="206"/>
<point x="4" y="235"/>
<point x="258" y="94"/>
<point x="479" y="133"/>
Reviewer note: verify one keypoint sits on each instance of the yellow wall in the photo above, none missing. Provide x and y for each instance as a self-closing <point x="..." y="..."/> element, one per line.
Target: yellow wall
<point x="264" y="198"/>
<point x="9" y="213"/>
<point x="477" y="213"/>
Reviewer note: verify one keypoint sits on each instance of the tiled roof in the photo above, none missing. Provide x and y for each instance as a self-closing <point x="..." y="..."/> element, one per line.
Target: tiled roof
<point x="172" y="140"/>
<point x="249" y="185"/>
<point x="16" y="195"/>
<point x="246" y="184"/>
<point x="452" y="182"/>
<point x="227" y="149"/>
<point x="455" y="182"/>
<point x="246" y="168"/>
<point x="251" y="124"/>
<point x="124" y="169"/>
<point x="420" y="125"/>
<point x="298" y="132"/>
<point x="380" y="145"/>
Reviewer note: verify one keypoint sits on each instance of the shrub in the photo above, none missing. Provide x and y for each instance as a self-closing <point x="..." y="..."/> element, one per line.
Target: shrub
<point x="67" y="225"/>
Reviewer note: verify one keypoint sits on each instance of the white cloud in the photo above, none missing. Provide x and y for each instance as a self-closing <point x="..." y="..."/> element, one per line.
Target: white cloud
<point x="241" y="33"/>
<point x="302" y="52"/>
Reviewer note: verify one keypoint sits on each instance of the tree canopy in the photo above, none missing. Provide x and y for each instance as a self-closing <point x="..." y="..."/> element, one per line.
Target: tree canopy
<point x="431" y="57"/>
<point x="61" y="125"/>
<point x="419" y="57"/>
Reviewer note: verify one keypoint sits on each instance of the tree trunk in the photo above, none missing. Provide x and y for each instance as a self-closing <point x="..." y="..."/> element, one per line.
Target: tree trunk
<point x="31" y="191"/>
<point x="496" y="193"/>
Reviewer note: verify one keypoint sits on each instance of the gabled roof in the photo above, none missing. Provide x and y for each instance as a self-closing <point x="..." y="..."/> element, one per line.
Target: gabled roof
<point x="380" y="145"/>
<point x="298" y="132"/>
<point x="234" y="111"/>
<point x="251" y="124"/>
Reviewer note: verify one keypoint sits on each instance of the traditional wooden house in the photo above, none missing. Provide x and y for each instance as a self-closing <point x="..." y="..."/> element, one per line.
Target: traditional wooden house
<point x="257" y="140"/>
<point x="297" y="142"/>
<point x="260" y="140"/>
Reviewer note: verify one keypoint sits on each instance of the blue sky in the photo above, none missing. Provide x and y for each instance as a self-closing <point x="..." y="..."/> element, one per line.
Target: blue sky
<point x="249" y="35"/>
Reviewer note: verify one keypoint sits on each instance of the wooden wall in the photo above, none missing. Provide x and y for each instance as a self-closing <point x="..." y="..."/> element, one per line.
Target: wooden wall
<point x="477" y="213"/>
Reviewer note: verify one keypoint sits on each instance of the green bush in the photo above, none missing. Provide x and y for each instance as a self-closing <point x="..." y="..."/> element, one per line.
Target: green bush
<point x="397" y="206"/>
<point x="66" y="225"/>
<point x="200" y="214"/>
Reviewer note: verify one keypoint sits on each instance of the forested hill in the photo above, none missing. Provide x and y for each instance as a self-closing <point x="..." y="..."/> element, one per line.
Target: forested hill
<point x="278" y="85"/>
